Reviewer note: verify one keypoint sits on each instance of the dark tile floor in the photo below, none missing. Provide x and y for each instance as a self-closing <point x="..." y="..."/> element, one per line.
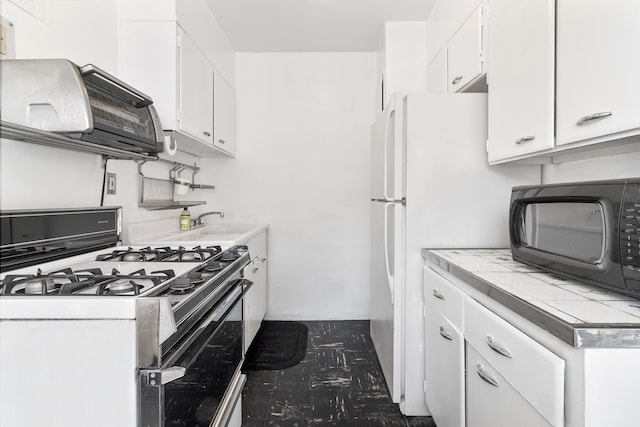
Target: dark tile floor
<point x="339" y="383"/>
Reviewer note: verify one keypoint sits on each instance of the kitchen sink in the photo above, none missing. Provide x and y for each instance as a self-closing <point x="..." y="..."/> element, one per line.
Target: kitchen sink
<point x="223" y="234"/>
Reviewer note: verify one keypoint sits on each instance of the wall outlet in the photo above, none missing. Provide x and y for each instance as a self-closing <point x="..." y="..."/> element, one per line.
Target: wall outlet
<point x="111" y="183"/>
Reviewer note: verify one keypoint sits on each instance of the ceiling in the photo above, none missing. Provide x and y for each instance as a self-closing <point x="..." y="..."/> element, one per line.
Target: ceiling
<point x="312" y="25"/>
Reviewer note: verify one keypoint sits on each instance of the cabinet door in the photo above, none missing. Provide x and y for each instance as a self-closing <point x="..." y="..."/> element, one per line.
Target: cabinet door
<point x="224" y="114"/>
<point x="598" y="89"/>
<point x="520" y="76"/>
<point x="491" y="401"/>
<point x="437" y="73"/>
<point x="465" y="54"/>
<point x="444" y="370"/>
<point x="255" y="302"/>
<point x="195" y="111"/>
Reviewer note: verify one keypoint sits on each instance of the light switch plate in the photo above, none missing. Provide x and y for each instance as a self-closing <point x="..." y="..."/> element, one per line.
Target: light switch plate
<point x="111" y="183"/>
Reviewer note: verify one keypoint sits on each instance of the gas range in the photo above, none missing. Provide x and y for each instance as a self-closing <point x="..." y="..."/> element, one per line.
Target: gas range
<point x="176" y="273"/>
<point x="69" y="292"/>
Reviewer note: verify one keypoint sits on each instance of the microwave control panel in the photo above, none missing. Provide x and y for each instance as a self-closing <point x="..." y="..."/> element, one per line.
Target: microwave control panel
<point x="630" y="236"/>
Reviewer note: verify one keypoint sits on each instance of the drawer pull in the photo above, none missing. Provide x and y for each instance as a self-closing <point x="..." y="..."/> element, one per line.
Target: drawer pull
<point x="591" y="117"/>
<point x="254" y="270"/>
<point x="437" y="294"/>
<point x="446" y="335"/>
<point x="501" y="351"/>
<point x="221" y="141"/>
<point x="456" y="80"/>
<point x="486" y="377"/>
<point x="525" y="139"/>
<point x="207" y="134"/>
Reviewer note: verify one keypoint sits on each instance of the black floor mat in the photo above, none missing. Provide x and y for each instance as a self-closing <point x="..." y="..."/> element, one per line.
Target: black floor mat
<point x="277" y="345"/>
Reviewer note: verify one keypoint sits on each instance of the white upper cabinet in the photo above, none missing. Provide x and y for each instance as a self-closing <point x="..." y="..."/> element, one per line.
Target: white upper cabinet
<point x="195" y="105"/>
<point x="176" y="52"/>
<point x="520" y="77"/>
<point x="465" y="54"/>
<point x="224" y="114"/>
<point x="437" y="73"/>
<point x="401" y="60"/>
<point x="598" y="69"/>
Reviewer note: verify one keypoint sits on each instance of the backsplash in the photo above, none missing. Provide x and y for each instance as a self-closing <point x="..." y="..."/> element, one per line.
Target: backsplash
<point x="611" y="167"/>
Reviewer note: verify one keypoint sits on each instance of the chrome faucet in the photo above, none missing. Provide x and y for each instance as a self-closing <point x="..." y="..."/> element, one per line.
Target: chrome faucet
<point x="200" y="220"/>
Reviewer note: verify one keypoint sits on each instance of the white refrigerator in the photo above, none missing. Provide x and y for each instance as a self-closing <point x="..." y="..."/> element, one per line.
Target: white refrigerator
<point x="431" y="187"/>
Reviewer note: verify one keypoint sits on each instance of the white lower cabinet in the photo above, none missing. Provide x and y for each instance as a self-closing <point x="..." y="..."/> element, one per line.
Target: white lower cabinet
<point x="533" y="372"/>
<point x="492" y="401"/>
<point x="255" y="300"/>
<point x="444" y="354"/>
<point x="510" y="379"/>
<point x="444" y="371"/>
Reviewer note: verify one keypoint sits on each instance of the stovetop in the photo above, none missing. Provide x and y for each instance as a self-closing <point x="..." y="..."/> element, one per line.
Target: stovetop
<point x="122" y="271"/>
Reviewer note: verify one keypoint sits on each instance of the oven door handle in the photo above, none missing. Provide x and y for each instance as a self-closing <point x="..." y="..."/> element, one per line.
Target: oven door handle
<point x="218" y="313"/>
<point x="227" y="304"/>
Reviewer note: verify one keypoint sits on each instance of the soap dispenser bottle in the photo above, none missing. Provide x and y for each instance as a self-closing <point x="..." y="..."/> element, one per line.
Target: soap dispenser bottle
<point x="185" y="220"/>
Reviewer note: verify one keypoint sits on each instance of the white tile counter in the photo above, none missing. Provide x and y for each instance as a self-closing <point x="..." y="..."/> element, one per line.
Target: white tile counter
<point x="581" y="315"/>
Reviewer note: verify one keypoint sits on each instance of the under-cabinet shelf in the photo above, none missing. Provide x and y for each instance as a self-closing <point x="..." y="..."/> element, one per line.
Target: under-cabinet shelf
<point x="35" y="136"/>
<point x="159" y="205"/>
<point x="162" y="189"/>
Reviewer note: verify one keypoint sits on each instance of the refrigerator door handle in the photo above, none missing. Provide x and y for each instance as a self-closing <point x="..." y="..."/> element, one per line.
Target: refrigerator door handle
<point x="403" y="201"/>
<point x="385" y="157"/>
<point x="390" y="278"/>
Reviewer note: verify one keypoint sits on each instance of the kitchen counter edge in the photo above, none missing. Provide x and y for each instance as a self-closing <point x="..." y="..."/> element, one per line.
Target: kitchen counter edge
<point x="577" y="336"/>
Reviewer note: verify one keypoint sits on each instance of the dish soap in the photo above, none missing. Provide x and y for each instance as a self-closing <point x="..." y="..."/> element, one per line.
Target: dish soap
<point x="185" y="220"/>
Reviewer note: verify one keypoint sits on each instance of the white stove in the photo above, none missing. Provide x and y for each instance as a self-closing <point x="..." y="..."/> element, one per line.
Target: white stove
<point x="110" y="326"/>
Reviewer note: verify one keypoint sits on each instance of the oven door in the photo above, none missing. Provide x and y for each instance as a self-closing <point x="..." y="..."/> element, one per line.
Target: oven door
<point x="203" y="382"/>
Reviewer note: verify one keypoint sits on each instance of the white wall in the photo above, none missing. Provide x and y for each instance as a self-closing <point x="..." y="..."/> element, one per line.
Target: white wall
<point x="611" y="167"/>
<point x="83" y="31"/>
<point x="303" y="123"/>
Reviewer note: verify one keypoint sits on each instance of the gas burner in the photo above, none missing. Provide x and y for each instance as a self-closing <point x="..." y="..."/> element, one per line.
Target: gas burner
<point x="213" y="266"/>
<point x="123" y="287"/>
<point x="197" y="254"/>
<point x="138" y="255"/>
<point x="58" y="282"/>
<point x="182" y="285"/>
<point x="230" y="254"/>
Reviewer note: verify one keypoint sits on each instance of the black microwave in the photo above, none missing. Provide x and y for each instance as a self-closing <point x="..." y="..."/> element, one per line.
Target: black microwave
<point x="586" y="230"/>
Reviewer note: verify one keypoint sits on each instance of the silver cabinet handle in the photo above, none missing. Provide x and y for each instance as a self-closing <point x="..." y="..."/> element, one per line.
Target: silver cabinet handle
<point x="456" y="80"/>
<point x="437" y="294"/>
<point x="253" y="270"/>
<point x="221" y="141"/>
<point x="485" y="377"/>
<point x="207" y="134"/>
<point x="263" y="260"/>
<point x="525" y="139"/>
<point x="596" y="116"/>
<point x="446" y="335"/>
<point x="501" y="351"/>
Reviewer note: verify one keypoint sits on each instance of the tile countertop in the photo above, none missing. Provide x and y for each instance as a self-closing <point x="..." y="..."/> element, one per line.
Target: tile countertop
<point x="581" y="315"/>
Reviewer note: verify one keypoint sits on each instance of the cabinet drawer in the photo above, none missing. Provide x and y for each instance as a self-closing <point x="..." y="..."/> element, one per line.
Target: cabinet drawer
<point x="444" y="297"/>
<point x="529" y="367"/>
<point x="492" y="401"/>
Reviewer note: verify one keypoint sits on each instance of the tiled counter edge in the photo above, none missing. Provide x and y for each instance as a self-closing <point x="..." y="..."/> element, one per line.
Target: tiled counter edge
<point x="584" y="335"/>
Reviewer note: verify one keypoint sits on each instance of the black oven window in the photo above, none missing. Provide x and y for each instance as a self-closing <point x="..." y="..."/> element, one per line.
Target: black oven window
<point x="194" y="399"/>
<point x="573" y="230"/>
